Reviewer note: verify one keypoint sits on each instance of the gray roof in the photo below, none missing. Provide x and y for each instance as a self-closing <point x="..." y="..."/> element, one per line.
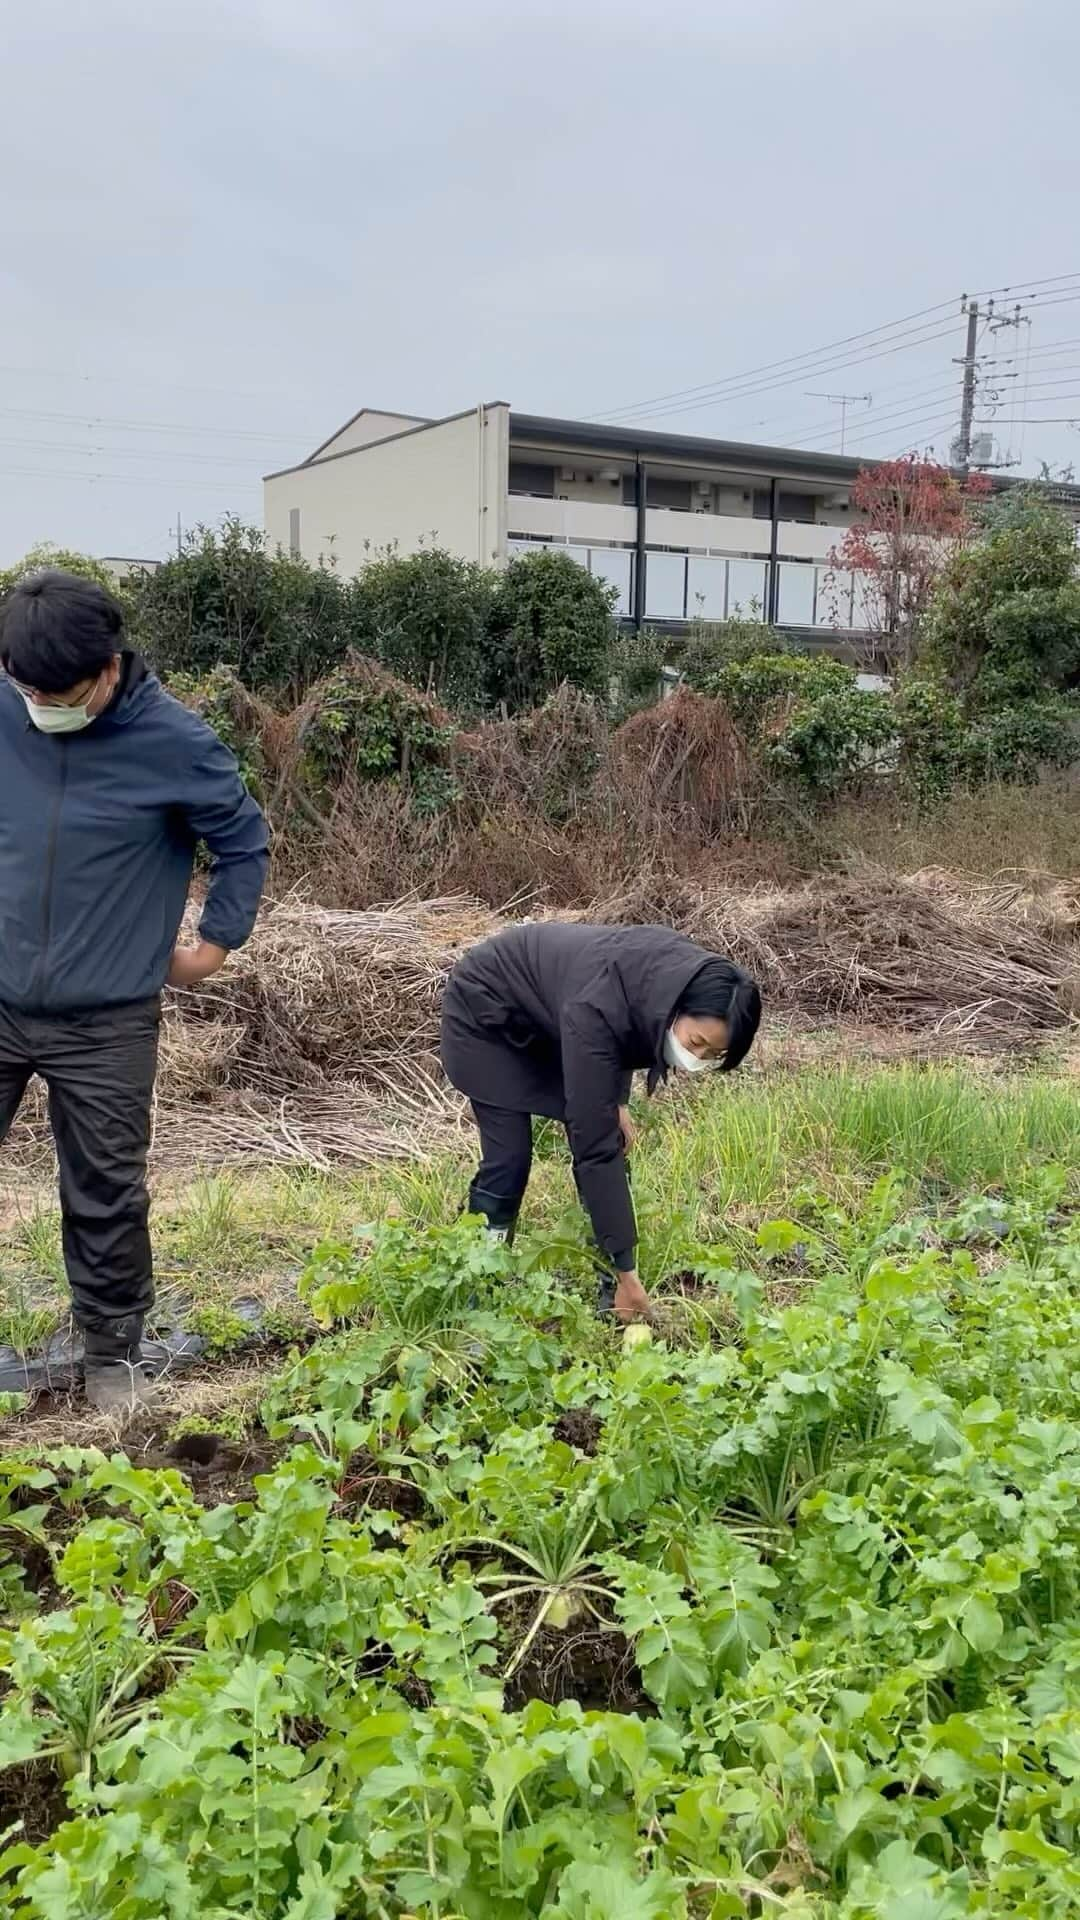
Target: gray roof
<point x="690" y="449"/>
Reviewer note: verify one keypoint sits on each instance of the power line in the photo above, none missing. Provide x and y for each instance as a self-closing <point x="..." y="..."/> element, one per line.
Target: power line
<point x="772" y="366"/>
<point x="870" y="422"/>
<point x="1020" y="286"/>
<point x="136" y="453"/>
<point x="1046" y="419"/>
<point x="796" y="379"/>
<point x="147" y="386"/>
<point x="891" y="386"/>
<point x="886" y="328"/>
<point x="127" y="480"/>
<point x="142" y="426"/>
<point x="905" y="425"/>
<point x="923" y="442"/>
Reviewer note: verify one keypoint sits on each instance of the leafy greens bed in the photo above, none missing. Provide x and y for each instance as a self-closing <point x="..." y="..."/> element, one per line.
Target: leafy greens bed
<point x="779" y="1615"/>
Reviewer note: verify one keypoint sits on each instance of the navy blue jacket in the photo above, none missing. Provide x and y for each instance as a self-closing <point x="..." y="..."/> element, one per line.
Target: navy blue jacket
<point x="98" y="831"/>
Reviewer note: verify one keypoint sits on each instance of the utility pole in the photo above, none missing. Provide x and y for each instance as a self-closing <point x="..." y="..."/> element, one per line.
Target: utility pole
<point x="843" y="401"/>
<point x="993" y="323"/>
<point x="967" y="395"/>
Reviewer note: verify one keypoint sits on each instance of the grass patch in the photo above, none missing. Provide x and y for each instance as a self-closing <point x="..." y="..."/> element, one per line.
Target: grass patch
<point x="708" y="1162"/>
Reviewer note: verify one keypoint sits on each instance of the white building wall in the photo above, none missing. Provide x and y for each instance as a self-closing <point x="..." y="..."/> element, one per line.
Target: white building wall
<point x="369" y="425"/>
<point x="443" y="485"/>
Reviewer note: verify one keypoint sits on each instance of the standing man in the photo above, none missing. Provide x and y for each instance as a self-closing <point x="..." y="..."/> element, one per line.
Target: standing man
<point x="106" y="785"/>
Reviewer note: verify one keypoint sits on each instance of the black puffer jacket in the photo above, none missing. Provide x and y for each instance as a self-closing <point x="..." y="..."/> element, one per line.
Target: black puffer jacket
<point x="554" y="1019"/>
<point x="97" y="839"/>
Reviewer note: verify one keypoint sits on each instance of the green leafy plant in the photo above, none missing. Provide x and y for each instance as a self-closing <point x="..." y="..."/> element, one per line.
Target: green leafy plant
<point x="550" y="622"/>
<point x="826" y="1558"/>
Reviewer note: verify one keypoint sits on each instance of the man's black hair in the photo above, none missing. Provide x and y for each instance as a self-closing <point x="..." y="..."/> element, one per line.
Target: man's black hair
<point x="723" y="991"/>
<point x="57" y="630"/>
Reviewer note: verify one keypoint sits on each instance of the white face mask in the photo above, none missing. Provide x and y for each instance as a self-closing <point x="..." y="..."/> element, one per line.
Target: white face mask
<point x="62" y="719"/>
<point x="677" y="1055"/>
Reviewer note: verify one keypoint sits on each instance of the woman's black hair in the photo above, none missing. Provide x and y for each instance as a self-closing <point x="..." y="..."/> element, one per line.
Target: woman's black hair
<point x="57" y="630"/>
<point x="721" y="991"/>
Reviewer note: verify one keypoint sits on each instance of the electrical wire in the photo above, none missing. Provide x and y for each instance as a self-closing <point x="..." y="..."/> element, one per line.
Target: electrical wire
<point x="889" y="415"/>
<point x="142" y="426"/>
<point x="144" y="386"/>
<point x="1023" y="389"/>
<point x="126" y="480"/>
<point x="886" y="328"/>
<point x="773" y="366"/>
<point x="924" y="444"/>
<point x="137" y="453"/>
<point x="795" y="379"/>
<point x="1047" y="419"/>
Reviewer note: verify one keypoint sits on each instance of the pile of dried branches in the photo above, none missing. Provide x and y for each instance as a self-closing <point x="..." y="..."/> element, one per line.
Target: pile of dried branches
<point x="320" y="996"/>
<point x="960" y="970"/>
<point x="318" y="1044"/>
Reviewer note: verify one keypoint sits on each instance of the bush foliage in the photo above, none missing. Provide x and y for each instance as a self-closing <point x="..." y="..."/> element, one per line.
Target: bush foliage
<point x="991" y="694"/>
<point x="475" y="639"/>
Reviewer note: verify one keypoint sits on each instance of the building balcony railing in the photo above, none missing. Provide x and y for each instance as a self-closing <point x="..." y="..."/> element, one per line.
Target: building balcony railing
<point x="582" y="522"/>
<point x="681" y="587"/>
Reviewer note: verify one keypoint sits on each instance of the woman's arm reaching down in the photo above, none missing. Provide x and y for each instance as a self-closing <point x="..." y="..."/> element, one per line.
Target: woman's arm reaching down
<point x="594" y="1080"/>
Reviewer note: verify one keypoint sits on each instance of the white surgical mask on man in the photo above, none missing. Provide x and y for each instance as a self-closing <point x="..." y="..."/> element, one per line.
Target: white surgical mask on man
<point x="62" y="719"/>
<point x="677" y="1055"/>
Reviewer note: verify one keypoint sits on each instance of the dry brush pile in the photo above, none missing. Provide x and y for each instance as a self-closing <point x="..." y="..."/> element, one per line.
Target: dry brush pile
<point x="319" y="1044"/>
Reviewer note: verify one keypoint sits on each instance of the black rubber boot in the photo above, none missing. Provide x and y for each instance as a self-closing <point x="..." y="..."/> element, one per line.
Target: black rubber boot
<point x="605" y="1296"/>
<point x="115" y="1380"/>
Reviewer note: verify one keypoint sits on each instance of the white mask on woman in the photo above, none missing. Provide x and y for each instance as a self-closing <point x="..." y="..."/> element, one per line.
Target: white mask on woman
<point x="676" y="1055"/>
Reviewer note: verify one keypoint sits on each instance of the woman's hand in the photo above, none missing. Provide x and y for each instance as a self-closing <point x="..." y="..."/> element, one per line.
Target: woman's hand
<point x="626" y="1128"/>
<point x="631" y="1300"/>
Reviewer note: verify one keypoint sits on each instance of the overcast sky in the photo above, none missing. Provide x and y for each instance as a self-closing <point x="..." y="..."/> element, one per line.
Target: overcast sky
<point x="226" y="226"/>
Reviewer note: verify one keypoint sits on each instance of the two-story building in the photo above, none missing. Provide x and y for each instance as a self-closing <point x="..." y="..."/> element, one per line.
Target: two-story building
<point x="683" y="527"/>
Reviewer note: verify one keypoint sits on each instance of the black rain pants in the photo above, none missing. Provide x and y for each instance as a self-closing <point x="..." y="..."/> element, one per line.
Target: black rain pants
<point x="500" y="1181"/>
<point x="99" y="1068"/>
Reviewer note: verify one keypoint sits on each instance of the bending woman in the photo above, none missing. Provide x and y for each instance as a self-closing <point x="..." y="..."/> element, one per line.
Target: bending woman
<point x="553" y="1019"/>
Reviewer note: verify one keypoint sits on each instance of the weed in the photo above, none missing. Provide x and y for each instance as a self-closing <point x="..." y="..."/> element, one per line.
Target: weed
<point x="233" y="1422"/>
<point x="223" y="1330"/>
<point x="39" y="1240"/>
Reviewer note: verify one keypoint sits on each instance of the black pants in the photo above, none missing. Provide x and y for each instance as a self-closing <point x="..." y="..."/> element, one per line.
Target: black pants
<point x="99" y="1069"/>
<point x="503" y="1173"/>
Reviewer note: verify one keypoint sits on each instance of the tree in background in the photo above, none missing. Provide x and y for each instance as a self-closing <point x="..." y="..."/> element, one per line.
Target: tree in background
<point x="913" y="516"/>
<point x="44" y="557"/>
<point x="805" y="719"/>
<point x="474" y="639"/>
<point x="713" y="645"/>
<point x="426" y="616"/>
<point x="225" y="601"/>
<point x="1003" y="638"/>
<point x="550" y="622"/>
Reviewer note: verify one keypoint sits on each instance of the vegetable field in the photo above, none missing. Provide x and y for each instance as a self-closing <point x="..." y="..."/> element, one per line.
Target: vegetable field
<point x="491" y="1614"/>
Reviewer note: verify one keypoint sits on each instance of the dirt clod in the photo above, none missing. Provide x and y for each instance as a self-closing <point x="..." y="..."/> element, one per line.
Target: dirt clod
<point x="366" y="1487"/>
<point x="579" y="1427"/>
<point x="32" y="1798"/>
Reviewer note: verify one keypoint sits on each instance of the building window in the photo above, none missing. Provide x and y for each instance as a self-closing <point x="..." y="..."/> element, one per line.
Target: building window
<point x="665" y="585"/>
<point x="294" y="532"/>
<point x="789" y="506"/>
<point x="612" y="565"/>
<point x="797" y="596"/>
<point x="660" y="491"/>
<point x="706" y="597"/>
<point x="746" y="589"/>
<point x="528" y="476"/>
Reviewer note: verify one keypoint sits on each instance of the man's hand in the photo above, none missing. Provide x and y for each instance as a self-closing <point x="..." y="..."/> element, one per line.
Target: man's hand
<point x="627" y="1129"/>
<point x="189" y="965"/>
<point x="631" y="1300"/>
